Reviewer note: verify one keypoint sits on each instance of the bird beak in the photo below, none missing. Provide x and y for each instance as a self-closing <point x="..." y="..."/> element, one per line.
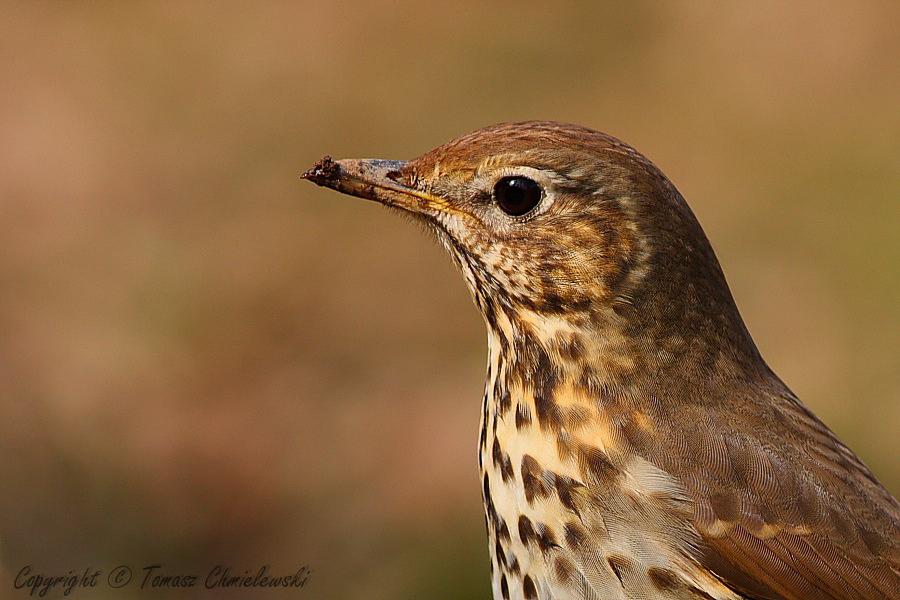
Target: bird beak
<point x="375" y="179"/>
<point x="368" y="178"/>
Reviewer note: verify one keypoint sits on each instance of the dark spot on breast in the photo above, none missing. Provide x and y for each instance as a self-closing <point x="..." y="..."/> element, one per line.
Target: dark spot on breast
<point x="482" y="442"/>
<point x="550" y="302"/>
<point x="576" y="535"/>
<point x="514" y="567"/>
<point x="498" y="389"/>
<point x="502" y="462"/>
<point x="488" y="502"/>
<point x="499" y="522"/>
<point x="489" y="311"/>
<point x="569" y="347"/>
<point x="623" y="309"/>
<point x="528" y="588"/>
<point x="484" y="418"/>
<point x="507" y="471"/>
<point x="503" y="532"/>
<point x="496" y="453"/>
<point x="666" y="580"/>
<point x="491" y="515"/>
<point x="504" y="587"/>
<point x="565" y="570"/>
<point x="569" y="492"/>
<point x="544" y="374"/>
<point x="575" y="417"/>
<point x="595" y="464"/>
<point x="588" y="379"/>
<point x="663" y="579"/>
<point x="504" y="342"/>
<point x="546" y="539"/>
<point x="620" y="565"/>
<point x="548" y="413"/>
<point x="526" y="530"/>
<point x="532" y="479"/>
<point x="501" y="556"/>
<point x="523" y="417"/>
<point x="504" y="403"/>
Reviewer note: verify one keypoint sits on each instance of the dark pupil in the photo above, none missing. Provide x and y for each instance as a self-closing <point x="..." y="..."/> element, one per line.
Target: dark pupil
<point x="517" y="195"/>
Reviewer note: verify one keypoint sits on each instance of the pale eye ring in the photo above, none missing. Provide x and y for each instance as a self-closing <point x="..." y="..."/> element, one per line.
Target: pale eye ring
<point x="517" y="195"/>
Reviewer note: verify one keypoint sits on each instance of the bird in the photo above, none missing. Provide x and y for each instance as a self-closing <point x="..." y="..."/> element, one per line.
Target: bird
<point x="633" y="441"/>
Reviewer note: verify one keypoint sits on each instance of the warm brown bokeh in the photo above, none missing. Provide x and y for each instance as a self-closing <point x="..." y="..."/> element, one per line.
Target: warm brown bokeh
<point x="204" y="360"/>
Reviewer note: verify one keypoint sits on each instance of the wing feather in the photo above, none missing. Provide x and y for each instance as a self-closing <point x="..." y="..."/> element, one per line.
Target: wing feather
<point x="813" y="522"/>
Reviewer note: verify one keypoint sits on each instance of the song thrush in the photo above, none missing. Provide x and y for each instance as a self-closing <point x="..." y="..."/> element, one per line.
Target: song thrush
<point x="634" y="444"/>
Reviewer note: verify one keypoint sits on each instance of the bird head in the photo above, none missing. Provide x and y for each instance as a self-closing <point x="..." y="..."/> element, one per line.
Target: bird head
<point x="553" y="223"/>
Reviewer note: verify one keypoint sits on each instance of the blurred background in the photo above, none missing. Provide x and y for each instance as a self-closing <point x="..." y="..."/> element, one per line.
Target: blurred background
<point x="205" y="361"/>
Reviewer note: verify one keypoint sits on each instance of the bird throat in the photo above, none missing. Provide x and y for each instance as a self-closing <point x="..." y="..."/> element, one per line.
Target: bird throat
<point x="532" y="457"/>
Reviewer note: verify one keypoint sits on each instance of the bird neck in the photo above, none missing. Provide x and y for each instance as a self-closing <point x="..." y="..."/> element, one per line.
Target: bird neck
<point x="597" y="351"/>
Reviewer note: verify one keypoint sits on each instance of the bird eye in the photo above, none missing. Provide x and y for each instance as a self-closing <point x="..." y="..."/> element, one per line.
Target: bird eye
<point x="517" y="195"/>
